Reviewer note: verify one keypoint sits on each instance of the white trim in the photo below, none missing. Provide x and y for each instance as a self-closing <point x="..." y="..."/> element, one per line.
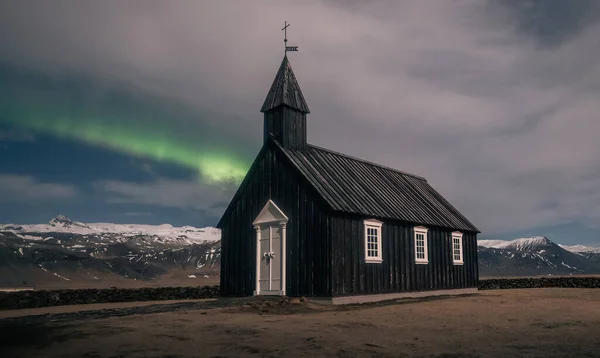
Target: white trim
<point x="258" y="258"/>
<point x="458" y="235"/>
<point x="283" y="256"/>
<point x="373" y="224"/>
<point x="271" y="250"/>
<point x="421" y="230"/>
<point x="271" y="216"/>
<point x="270" y="213"/>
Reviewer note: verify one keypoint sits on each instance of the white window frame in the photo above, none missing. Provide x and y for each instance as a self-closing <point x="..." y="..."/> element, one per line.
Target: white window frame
<point x="421" y="230"/>
<point x="457" y="235"/>
<point x="373" y="224"/>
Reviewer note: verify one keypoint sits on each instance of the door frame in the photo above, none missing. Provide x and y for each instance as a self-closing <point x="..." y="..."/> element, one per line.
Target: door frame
<point x="270" y="216"/>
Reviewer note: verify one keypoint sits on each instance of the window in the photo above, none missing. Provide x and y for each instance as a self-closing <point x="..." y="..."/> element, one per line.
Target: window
<point x="373" y="241"/>
<point x="457" y="248"/>
<point x="421" y="256"/>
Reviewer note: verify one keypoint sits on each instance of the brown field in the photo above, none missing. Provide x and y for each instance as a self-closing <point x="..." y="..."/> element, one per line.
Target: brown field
<point x="551" y="322"/>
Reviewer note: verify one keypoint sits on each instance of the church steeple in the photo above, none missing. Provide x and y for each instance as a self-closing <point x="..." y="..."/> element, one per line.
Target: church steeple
<point x="285" y="109"/>
<point x="285" y="90"/>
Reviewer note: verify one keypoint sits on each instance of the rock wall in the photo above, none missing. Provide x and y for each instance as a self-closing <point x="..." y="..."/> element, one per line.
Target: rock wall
<point x="43" y="298"/>
<point x="32" y="299"/>
<point x="567" y="282"/>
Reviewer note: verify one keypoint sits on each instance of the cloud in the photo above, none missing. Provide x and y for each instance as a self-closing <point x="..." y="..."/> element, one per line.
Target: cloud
<point x="135" y="213"/>
<point x="145" y="167"/>
<point x="181" y="194"/>
<point x="494" y="103"/>
<point x="23" y="188"/>
<point x="12" y="135"/>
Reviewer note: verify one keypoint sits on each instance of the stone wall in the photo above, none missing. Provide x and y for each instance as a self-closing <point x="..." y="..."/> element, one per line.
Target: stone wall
<point x="32" y="299"/>
<point x="43" y="298"/>
<point x="567" y="282"/>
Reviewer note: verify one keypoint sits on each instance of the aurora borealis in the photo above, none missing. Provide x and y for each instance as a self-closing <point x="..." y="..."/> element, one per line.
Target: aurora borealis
<point x="134" y="142"/>
<point x="213" y="164"/>
<point x="121" y="122"/>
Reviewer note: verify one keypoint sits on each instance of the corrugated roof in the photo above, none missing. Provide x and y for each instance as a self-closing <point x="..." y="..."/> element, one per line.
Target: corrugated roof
<point x="357" y="186"/>
<point x="285" y="90"/>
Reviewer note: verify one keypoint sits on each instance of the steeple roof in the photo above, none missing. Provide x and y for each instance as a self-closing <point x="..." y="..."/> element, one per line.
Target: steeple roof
<point x="285" y="90"/>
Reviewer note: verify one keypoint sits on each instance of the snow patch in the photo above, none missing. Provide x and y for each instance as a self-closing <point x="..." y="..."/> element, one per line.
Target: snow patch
<point x="59" y="276"/>
<point x="581" y="248"/>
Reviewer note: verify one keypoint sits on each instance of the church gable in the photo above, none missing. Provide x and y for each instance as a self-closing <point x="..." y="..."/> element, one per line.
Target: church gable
<point x="273" y="192"/>
<point x="265" y="166"/>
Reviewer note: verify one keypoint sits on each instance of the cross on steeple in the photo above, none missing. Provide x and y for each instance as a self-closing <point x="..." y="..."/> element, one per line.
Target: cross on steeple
<point x="287" y="48"/>
<point x="285" y="31"/>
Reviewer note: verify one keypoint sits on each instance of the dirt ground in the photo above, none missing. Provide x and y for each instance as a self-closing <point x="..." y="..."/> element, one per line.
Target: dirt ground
<point x="551" y="322"/>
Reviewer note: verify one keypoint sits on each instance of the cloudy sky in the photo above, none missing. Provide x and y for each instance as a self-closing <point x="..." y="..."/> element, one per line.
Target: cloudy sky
<point x="148" y="111"/>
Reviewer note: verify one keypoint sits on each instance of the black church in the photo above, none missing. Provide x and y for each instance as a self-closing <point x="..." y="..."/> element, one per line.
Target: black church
<point x="307" y="221"/>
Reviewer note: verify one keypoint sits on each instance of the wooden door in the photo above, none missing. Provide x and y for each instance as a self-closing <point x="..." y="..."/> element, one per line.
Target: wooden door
<point x="270" y="269"/>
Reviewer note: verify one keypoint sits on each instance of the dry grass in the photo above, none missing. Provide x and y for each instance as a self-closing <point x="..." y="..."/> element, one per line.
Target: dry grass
<point x="551" y="322"/>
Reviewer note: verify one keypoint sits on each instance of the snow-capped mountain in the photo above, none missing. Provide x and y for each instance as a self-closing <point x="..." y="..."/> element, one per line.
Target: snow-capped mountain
<point x="590" y="253"/>
<point x="581" y="249"/>
<point x="66" y="253"/>
<point x="536" y="255"/>
<point x="163" y="233"/>
<point x="532" y="243"/>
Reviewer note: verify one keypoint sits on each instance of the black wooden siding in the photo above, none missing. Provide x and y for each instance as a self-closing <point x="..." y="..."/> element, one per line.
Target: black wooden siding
<point x="287" y="126"/>
<point x="398" y="272"/>
<point x="307" y="263"/>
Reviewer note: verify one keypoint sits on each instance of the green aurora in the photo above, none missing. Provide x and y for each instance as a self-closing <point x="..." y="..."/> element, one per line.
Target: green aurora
<point x="129" y="122"/>
<point x="215" y="166"/>
<point x="136" y="138"/>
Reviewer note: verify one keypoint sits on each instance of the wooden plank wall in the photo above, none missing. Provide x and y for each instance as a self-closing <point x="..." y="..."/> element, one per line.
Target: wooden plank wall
<point x="287" y="125"/>
<point x="308" y="266"/>
<point x="398" y="272"/>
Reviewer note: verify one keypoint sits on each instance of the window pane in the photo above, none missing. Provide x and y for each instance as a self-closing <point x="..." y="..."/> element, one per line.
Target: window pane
<point x="372" y="242"/>
<point x="456" y="248"/>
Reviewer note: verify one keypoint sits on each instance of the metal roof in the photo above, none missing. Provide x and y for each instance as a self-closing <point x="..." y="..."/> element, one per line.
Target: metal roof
<point x="285" y="90"/>
<point x="357" y="186"/>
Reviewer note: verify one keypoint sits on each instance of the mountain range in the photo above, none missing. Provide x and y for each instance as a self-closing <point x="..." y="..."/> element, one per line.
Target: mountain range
<point x="66" y="254"/>
<point x="535" y="256"/>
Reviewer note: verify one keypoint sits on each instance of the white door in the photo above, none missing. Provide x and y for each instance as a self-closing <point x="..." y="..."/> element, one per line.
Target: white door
<point x="270" y="226"/>
<point x="270" y="265"/>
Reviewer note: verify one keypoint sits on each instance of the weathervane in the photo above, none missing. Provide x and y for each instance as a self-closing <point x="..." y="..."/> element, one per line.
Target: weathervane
<point x="287" y="48"/>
